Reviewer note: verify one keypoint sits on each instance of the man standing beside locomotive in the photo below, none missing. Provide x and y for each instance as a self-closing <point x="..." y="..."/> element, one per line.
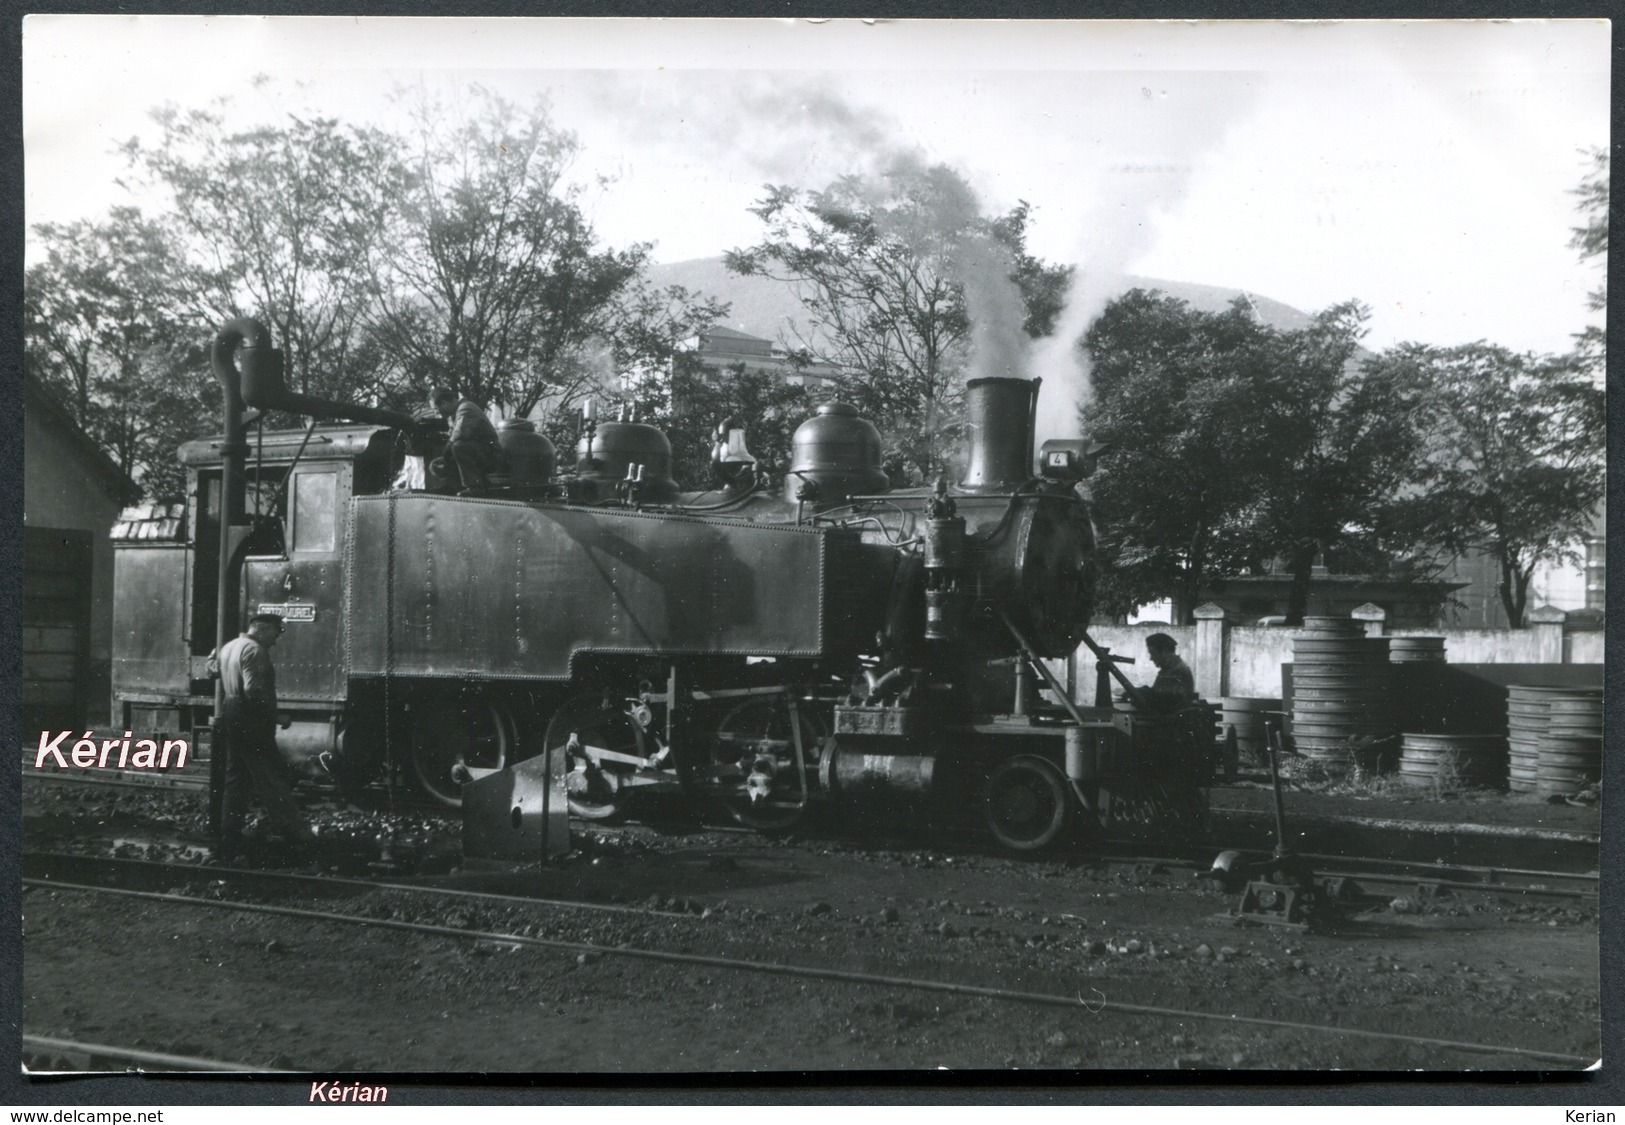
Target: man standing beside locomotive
<point x="248" y="722"/>
<point x="472" y="448"/>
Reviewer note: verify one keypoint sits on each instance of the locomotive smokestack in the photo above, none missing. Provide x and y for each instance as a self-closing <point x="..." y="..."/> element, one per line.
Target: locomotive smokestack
<point x="999" y="415"/>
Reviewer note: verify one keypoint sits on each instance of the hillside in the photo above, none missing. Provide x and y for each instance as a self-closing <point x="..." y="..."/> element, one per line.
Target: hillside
<point x="770" y="308"/>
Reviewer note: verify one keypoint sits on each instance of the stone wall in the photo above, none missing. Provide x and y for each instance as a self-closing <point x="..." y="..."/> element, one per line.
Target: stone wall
<point x="1246" y="660"/>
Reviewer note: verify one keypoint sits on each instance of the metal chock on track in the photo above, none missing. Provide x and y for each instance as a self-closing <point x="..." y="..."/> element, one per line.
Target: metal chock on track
<point x="1279" y="903"/>
<point x="519" y="814"/>
<point x="1287" y="894"/>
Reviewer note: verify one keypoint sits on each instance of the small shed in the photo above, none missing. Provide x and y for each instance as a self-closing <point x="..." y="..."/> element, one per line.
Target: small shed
<point x="72" y="494"/>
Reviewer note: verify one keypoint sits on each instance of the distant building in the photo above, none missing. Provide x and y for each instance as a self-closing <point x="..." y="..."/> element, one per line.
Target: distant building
<point x="1409" y="604"/>
<point x="1584" y="587"/>
<point x="72" y="493"/>
<point x="721" y="349"/>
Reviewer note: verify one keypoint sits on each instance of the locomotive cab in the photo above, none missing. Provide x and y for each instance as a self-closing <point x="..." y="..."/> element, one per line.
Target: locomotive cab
<point x="298" y="488"/>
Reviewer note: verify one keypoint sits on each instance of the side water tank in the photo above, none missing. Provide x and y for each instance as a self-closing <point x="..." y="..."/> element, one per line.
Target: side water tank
<point x="529" y="454"/>
<point x="837" y="452"/>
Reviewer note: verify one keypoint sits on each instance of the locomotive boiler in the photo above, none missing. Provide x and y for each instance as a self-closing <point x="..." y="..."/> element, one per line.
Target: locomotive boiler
<point x="763" y="647"/>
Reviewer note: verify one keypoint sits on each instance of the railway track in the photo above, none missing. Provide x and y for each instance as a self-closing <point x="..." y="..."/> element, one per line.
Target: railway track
<point x="1396" y="877"/>
<point x="65" y="869"/>
<point x="1367" y="879"/>
<point x="120" y="779"/>
<point x="1428" y="877"/>
<point x="1401" y="876"/>
<point x="45" y="1055"/>
<point x="94" y="876"/>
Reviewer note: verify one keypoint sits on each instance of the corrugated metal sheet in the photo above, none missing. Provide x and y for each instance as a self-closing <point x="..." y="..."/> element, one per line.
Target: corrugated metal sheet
<point x="144" y="522"/>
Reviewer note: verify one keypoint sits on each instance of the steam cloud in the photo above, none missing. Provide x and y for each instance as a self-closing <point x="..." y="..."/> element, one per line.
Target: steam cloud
<point x="806" y="133"/>
<point x="1178" y="127"/>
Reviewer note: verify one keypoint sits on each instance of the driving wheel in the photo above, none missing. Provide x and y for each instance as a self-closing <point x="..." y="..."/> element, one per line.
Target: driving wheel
<point x="1026" y="803"/>
<point x="593" y="733"/>
<point x="458" y="737"/>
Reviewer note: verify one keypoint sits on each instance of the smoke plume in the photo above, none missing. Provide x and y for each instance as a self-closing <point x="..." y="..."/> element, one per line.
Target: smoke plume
<point x="804" y="132"/>
<point x="1173" y="130"/>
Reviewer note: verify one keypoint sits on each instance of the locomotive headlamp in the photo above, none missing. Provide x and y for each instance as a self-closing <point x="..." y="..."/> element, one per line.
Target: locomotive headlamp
<point x="1069" y="459"/>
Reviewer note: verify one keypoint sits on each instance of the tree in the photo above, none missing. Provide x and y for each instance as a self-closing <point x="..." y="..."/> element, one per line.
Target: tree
<point x="1346" y="444"/>
<point x="769" y="407"/>
<point x="101" y="329"/>
<point x="1514" y="457"/>
<point x="491" y="283"/>
<point x="1591" y="240"/>
<point x="1231" y="443"/>
<point x="1043" y="287"/>
<point x="904" y="282"/>
<point x="646" y="361"/>
<point x="281" y="222"/>
<point x="1173" y="387"/>
<point x="381" y="263"/>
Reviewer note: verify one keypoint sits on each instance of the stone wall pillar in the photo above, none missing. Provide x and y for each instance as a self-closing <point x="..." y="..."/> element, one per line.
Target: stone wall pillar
<point x="1209" y="660"/>
<point x="1373" y="618"/>
<point x="1547" y="622"/>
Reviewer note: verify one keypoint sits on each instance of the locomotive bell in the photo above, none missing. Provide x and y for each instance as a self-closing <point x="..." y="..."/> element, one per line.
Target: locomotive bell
<point x="999" y="414"/>
<point x="837" y="453"/>
<point x="615" y="447"/>
<point x="530" y="455"/>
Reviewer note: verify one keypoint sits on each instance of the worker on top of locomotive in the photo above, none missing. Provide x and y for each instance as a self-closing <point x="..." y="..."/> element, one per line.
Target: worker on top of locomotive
<point x="472" y="450"/>
<point x="1175" y="685"/>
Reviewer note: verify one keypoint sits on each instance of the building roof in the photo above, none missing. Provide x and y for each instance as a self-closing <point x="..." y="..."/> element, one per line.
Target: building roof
<point x="40" y="401"/>
<point x="718" y="332"/>
<point x="150" y="521"/>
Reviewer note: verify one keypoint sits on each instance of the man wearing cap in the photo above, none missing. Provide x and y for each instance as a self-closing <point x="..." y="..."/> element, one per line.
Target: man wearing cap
<point x="248" y="722"/>
<point x="1175" y="684"/>
<point x="471" y="447"/>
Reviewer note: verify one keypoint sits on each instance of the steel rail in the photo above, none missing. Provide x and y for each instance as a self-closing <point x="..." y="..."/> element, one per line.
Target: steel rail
<point x="1418" y="869"/>
<point x="247" y="874"/>
<point x="165" y="785"/>
<point x="146" y="1062"/>
<point x="1402" y="873"/>
<point x="841" y="976"/>
<point x="1371" y="870"/>
<point x="1411" y="881"/>
<point x="1397" y="871"/>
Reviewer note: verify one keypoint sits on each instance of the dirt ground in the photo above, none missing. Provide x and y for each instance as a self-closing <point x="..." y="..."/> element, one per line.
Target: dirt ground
<point x="329" y="998"/>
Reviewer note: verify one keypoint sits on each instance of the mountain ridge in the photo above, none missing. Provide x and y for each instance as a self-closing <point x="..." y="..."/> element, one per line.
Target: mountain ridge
<point x="770" y="309"/>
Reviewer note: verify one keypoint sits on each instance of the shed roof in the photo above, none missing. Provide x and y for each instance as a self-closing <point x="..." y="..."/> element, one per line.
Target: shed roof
<point x="42" y="402"/>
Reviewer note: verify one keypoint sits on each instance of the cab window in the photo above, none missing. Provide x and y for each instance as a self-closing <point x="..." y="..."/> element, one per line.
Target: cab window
<point x="315" y="511"/>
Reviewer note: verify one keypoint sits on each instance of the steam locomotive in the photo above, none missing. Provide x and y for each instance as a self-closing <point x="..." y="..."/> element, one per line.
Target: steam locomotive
<point x="764" y="648"/>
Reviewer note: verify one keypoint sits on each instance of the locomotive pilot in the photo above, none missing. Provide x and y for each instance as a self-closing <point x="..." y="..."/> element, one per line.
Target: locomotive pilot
<point x="472" y="449"/>
<point x="248" y="721"/>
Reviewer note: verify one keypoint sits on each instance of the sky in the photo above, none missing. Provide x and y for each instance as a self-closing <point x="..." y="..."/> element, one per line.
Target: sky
<point x="1425" y="168"/>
